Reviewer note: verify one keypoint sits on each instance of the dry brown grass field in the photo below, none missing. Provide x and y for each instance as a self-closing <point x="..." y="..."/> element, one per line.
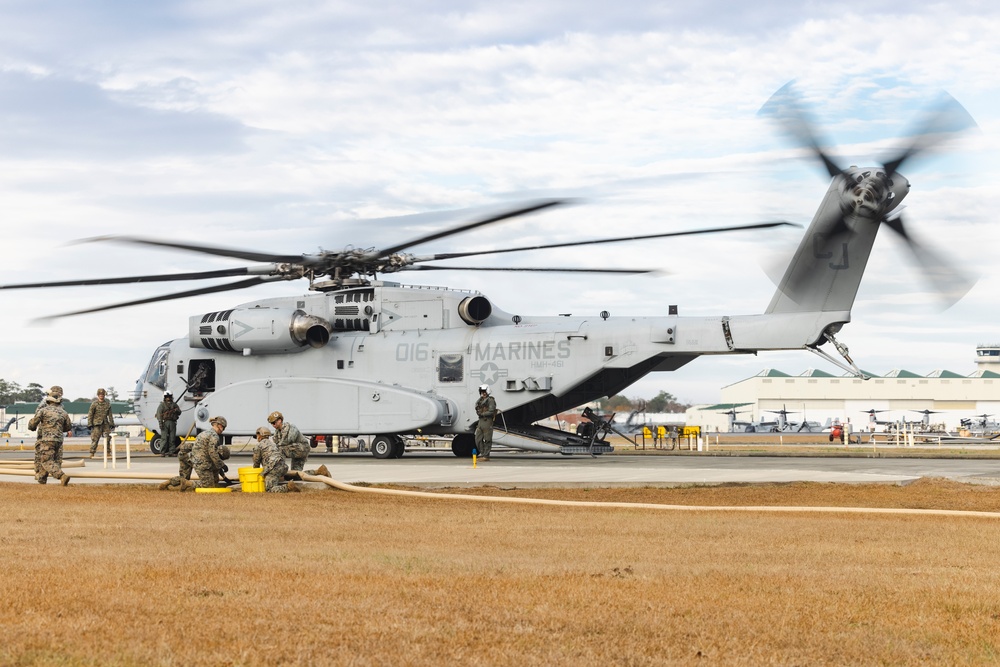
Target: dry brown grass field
<point x="128" y="575"/>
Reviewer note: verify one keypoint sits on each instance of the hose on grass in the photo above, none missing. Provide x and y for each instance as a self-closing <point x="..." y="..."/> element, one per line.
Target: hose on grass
<point x="351" y="488"/>
<point x="652" y="506"/>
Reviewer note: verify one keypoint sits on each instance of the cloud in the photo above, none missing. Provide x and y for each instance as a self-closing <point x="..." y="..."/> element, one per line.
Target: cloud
<point x="330" y="124"/>
<point x="50" y="118"/>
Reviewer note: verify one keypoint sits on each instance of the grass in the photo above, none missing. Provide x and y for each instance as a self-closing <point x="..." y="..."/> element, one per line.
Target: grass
<point x="127" y="575"/>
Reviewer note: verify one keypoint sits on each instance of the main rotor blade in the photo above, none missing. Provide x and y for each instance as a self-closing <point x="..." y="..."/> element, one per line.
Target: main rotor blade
<point x="785" y="108"/>
<point x="167" y="277"/>
<point x="424" y="267"/>
<point x="538" y="206"/>
<point x="950" y="282"/>
<point x="248" y="255"/>
<point x="939" y="124"/>
<point x="165" y="297"/>
<point x="711" y="230"/>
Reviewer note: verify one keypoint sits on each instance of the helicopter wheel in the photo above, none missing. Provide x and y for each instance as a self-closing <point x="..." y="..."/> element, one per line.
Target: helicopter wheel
<point x="383" y="447"/>
<point x="156" y="443"/>
<point x="462" y="445"/>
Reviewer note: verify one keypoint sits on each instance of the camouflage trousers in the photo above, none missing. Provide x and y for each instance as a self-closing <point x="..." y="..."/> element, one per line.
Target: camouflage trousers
<point x="96" y="433"/>
<point x="48" y="461"/>
<point x="274" y="479"/>
<point x="207" y="475"/>
<point x="298" y="452"/>
<point x="38" y="457"/>
<point x="184" y="459"/>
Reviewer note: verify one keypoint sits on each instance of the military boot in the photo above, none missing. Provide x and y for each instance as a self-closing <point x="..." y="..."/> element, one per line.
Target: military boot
<point x="187" y="485"/>
<point x="323" y="472"/>
<point x="164" y="485"/>
<point x="292" y="486"/>
<point x="64" y="480"/>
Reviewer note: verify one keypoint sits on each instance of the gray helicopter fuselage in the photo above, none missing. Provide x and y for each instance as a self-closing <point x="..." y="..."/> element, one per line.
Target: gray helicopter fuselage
<point x="401" y="359"/>
<point x="384" y="358"/>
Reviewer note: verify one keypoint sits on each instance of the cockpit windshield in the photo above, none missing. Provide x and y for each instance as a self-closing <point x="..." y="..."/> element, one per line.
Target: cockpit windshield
<point x="156" y="374"/>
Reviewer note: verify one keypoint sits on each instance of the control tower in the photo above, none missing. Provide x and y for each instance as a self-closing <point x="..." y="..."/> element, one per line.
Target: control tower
<point x="988" y="358"/>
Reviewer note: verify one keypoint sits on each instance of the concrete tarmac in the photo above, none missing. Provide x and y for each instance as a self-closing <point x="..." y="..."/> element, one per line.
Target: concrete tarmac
<point x="438" y="469"/>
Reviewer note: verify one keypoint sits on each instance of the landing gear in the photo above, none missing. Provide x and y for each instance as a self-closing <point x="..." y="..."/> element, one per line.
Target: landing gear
<point x="156" y="443"/>
<point x="388" y="447"/>
<point x="462" y="445"/>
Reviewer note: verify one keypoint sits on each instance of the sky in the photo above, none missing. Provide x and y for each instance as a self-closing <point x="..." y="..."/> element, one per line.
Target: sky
<point x="302" y="125"/>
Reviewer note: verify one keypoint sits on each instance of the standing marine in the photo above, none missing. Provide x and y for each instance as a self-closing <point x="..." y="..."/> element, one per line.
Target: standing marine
<point x="486" y="409"/>
<point x="100" y="420"/>
<point x="267" y="457"/>
<point x="289" y="440"/>
<point x="52" y="422"/>
<point x="207" y="455"/>
<point x="55" y="390"/>
<point x="167" y="415"/>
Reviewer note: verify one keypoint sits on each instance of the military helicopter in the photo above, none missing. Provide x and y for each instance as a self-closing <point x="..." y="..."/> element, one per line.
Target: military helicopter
<point x="925" y="421"/>
<point x="738" y="425"/>
<point x="874" y="422"/>
<point x="360" y="354"/>
<point x="981" y="425"/>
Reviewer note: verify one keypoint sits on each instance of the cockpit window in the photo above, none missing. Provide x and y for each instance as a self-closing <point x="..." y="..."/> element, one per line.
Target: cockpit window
<point x="156" y="374"/>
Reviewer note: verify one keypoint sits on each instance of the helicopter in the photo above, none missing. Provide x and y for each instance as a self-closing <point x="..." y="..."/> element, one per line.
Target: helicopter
<point x="737" y="425"/>
<point x="360" y="354"/>
<point x="925" y="421"/>
<point x="981" y="425"/>
<point x="874" y="422"/>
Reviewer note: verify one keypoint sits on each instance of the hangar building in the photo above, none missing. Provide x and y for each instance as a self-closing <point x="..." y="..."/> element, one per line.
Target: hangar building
<point x="899" y="395"/>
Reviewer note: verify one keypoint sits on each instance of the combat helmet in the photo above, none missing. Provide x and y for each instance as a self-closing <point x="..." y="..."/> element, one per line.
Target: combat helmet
<point x="263" y="432"/>
<point x="221" y="421"/>
<point x="275" y="416"/>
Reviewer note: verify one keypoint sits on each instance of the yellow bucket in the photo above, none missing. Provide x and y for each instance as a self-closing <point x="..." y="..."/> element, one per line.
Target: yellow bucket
<point x="252" y="480"/>
<point x="220" y="489"/>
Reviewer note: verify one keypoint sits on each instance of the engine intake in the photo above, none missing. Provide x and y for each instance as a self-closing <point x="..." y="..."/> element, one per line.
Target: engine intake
<point x="475" y="309"/>
<point x="260" y="330"/>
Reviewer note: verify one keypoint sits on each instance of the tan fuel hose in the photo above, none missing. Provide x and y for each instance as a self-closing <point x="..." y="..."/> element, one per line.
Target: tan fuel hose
<point x="652" y="506"/>
<point x="31" y="464"/>
<point x="329" y="481"/>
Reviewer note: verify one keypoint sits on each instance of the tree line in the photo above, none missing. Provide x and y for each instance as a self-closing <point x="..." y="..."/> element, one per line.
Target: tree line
<point x="12" y="392"/>
<point x="662" y="402"/>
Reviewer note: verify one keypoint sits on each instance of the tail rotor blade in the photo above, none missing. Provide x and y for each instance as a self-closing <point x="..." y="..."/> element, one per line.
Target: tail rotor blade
<point x="948" y="280"/>
<point x="785" y="108"/>
<point x="940" y="123"/>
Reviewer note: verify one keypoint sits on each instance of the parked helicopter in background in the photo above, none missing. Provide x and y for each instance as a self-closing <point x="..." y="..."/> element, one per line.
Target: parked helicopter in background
<point x="981" y="425"/>
<point x="739" y="426"/>
<point x="874" y="421"/>
<point x="925" y="425"/>
<point x="363" y="355"/>
<point x="784" y="425"/>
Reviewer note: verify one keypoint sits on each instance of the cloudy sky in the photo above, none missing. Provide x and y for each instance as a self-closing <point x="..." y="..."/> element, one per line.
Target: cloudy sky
<point x="301" y="125"/>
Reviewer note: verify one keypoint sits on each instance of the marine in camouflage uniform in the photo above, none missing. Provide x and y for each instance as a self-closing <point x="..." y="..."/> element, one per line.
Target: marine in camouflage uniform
<point x="56" y="391"/>
<point x="290" y="441"/>
<point x="100" y="420"/>
<point x="267" y="457"/>
<point x="183" y="477"/>
<point x="51" y="422"/>
<point x="167" y="414"/>
<point x="205" y="454"/>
